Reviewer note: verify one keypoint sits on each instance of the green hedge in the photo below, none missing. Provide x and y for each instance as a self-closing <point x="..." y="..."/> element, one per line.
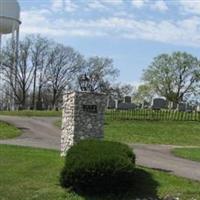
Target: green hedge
<point x="98" y="166"/>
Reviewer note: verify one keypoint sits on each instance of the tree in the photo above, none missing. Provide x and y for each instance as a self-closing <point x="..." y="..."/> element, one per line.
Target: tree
<point x="126" y="90"/>
<point x="39" y="50"/>
<point x="18" y="78"/>
<point x="45" y="70"/>
<point x="64" y="65"/>
<point x="143" y="93"/>
<point x="100" y="73"/>
<point x="173" y="76"/>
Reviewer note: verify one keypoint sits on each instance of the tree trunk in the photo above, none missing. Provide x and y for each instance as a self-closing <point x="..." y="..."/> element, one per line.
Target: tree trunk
<point x="54" y="99"/>
<point x="34" y="88"/>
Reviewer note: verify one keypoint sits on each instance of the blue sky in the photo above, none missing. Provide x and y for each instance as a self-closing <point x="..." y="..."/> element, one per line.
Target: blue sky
<point x="132" y="32"/>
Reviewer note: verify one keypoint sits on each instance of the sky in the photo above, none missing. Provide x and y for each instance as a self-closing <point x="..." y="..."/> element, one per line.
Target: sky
<point x="131" y="32"/>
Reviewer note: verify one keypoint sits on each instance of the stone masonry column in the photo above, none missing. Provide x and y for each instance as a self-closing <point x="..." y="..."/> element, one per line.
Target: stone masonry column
<point x="82" y="118"/>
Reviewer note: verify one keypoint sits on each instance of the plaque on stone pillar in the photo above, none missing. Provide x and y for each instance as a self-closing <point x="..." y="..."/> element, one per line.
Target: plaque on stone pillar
<point x="83" y="117"/>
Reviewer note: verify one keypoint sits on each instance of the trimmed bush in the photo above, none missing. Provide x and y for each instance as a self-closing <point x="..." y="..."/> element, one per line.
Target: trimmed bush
<point x="98" y="166"/>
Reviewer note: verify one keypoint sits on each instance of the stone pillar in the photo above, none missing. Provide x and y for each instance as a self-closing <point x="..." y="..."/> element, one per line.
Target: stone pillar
<point x="83" y="117"/>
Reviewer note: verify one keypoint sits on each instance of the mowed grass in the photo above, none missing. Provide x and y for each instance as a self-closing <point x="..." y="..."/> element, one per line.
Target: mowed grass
<point x="27" y="173"/>
<point x="32" y="113"/>
<point x="188" y="153"/>
<point x="153" y="132"/>
<point x="8" y="131"/>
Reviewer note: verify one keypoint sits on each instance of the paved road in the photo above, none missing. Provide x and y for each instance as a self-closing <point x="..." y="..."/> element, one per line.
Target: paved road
<point x="37" y="132"/>
<point x="160" y="157"/>
<point x="40" y="132"/>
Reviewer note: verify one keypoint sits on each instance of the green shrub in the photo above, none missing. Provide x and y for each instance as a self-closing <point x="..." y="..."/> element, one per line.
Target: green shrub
<point x="98" y="166"/>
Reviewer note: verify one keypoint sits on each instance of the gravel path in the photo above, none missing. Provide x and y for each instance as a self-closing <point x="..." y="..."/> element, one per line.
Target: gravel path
<point x="40" y="132"/>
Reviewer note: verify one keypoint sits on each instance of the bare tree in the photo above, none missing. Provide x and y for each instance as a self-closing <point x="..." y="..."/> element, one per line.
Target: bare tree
<point x="25" y="71"/>
<point x="7" y="64"/>
<point x="39" y="51"/>
<point x="64" y="66"/>
<point x="18" y="79"/>
<point x="46" y="69"/>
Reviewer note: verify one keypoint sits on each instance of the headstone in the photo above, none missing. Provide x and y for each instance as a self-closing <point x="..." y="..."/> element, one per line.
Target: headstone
<point x="182" y="107"/>
<point x="83" y="117"/>
<point x="189" y="107"/>
<point x="119" y="101"/>
<point x="111" y="103"/>
<point x="116" y="103"/>
<point x="126" y="106"/>
<point x="159" y="103"/>
<point x="127" y="99"/>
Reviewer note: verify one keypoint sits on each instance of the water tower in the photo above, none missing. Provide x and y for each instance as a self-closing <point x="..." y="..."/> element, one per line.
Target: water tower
<point x="9" y="24"/>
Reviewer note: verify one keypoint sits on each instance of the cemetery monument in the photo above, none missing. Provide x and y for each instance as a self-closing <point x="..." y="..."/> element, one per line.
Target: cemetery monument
<point x="83" y="117"/>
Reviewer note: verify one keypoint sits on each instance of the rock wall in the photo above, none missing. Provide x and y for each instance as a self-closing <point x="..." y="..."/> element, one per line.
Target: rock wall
<point x="83" y="117"/>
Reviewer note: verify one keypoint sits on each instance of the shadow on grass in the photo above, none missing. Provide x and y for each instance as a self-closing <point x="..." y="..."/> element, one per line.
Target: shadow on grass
<point x="143" y="187"/>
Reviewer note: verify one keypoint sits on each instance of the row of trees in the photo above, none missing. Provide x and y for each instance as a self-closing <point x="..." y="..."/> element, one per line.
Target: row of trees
<point x="45" y="70"/>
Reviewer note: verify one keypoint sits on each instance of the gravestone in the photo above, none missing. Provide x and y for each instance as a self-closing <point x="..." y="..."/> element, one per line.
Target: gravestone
<point x="111" y="103"/>
<point x="126" y="106"/>
<point x="159" y="103"/>
<point x="83" y="118"/>
<point x="198" y="108"/>
<point x="182" y="107"/>
<point x="127" y="99"/>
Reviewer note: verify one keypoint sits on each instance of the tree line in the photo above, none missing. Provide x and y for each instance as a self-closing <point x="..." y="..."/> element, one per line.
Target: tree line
<point x="45" y="70"/>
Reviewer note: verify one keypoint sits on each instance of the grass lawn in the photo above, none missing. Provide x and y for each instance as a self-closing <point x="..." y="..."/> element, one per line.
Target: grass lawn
<point x="31" y="113"/>
<point x="27" y="173"/>
<point x="188" y="153"/>
<point x="8" y="131"/>
<point x="154" y="132"/>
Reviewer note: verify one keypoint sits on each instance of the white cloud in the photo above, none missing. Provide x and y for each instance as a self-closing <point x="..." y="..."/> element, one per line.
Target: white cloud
<point x="190" y="6"/>
<point x="112" y="2"/>
<point x="95" y="4"/>
<point x="182" y="32"/>
<point x="123" y="14"/>
<point x="139" y="3"/>
<point x="64" y="5"/>
<point x="103" y="5"/>
<point x="57" y="4"/>
<point x="70" y="6"/>
<point x="160" y="6"/>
